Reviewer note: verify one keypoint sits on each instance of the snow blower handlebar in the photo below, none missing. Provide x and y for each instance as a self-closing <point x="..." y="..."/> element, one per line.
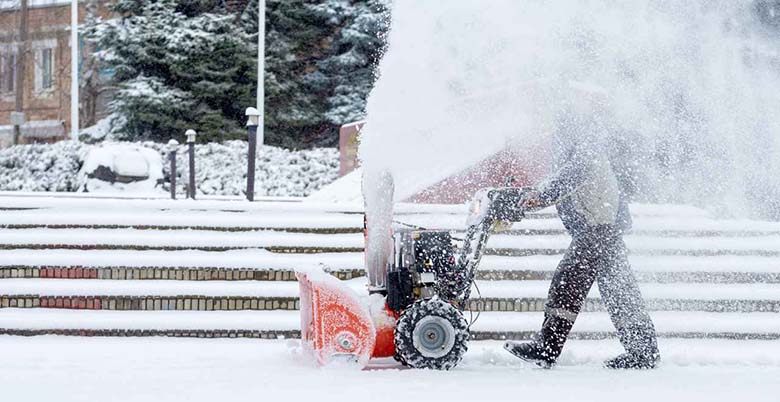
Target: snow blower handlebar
<point x="488" y="208"/>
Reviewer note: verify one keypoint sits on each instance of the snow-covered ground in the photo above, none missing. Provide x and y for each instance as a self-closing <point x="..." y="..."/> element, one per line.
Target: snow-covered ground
<point x="157" y="369"/>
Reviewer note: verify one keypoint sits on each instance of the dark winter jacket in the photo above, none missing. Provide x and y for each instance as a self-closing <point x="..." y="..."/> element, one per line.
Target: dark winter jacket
<point x="584" y="186"/>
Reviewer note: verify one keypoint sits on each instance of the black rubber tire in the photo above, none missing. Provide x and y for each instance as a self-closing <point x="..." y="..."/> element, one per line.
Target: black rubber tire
<point x="441" y="313"/>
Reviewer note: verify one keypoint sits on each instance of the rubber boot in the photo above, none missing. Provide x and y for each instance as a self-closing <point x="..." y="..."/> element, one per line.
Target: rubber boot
<point x="629" y="361"/>
<point x="642" y="350"/>
<point x="546" y="346"/>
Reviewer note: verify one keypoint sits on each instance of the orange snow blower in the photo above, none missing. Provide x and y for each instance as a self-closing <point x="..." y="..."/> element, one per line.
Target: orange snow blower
<point x="419" y="284"/>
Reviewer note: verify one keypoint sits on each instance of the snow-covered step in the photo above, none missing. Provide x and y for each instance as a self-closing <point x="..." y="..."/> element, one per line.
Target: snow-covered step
<point x="262" y="259"/>
<point x="487" y="289"/>
<point x="670" y="226"/>
<point x="666" y="323"/>
<point x="177" y="240"/>
<point x="249" y="323"/>
<point x="308" y="242"/>
<point x="334" y="222"/>
<point x="156" y="303"/>
<point x="644" y="263"/>
<point x="257" y="259"/>
<point x="263" y="265"/>
<point x="233" y="303"/>
<point x="214" y="288"/>
<point x="26" y="201"/>
<point x="511" y="296"/>
<point x="148" y="320"/>
<point x="313" y="222"/>
<point x="284" y="274"/>
<point x="642" y="245"/>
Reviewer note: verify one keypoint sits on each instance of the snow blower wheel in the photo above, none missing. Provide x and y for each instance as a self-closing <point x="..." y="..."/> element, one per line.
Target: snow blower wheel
<point x="431" y="334"/>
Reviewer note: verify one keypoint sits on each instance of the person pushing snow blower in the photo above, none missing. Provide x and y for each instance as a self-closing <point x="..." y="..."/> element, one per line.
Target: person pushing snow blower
<point x="587" y="193"/>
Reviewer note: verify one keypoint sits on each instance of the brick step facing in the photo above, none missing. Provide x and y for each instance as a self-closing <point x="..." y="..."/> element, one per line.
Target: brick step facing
<point x="247" y="274"/>
<point x="314" y="230"/>
<point x="352" y="230"/>
<point x="234" y="303"/>
<point x="273" y="249"/>
<point x="295" y="334"/>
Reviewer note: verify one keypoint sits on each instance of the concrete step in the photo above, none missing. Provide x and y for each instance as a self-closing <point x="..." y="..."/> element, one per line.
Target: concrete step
<point x="260" y="303"/>
<point x="284" y="242"/>
<point x="510" y="296"/>
<point x="264" y="265"/>
<point x="238" y="274"/>
<point x="340" y="223"/>
<point x="272" y="324"/>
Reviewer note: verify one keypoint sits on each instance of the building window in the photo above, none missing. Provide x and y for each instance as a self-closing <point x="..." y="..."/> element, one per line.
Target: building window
<point x="7" y="73"/>
<point x="47" y="77"/>
<point x="44" y="65"/>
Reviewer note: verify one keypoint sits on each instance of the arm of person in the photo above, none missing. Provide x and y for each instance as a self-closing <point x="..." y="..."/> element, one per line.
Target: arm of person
<point x="557" y="187"/>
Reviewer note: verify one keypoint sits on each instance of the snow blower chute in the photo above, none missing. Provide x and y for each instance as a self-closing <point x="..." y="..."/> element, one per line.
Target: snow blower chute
<point x="419" y="284"/>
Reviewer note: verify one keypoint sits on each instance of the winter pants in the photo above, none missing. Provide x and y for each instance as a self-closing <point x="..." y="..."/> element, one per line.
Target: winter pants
<point x="600" y="255"/>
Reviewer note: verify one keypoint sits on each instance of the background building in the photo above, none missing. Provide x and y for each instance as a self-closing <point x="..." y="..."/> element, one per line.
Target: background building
<point x="46" y="55"/>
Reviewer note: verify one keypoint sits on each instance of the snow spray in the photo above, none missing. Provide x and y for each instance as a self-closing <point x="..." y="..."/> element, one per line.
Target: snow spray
<point x="692" y="88"/>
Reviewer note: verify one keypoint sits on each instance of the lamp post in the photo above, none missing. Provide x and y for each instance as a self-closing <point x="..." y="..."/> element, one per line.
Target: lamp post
<point x="191" y="149"/>
<point x="252" y="122"/>
<point x="74" y="70"/>
<point x="261" y="68"/>
<point x="172" y="147"/>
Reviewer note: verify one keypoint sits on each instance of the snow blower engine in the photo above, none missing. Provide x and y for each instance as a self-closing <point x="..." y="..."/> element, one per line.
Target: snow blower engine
<point x="420" y="282"/>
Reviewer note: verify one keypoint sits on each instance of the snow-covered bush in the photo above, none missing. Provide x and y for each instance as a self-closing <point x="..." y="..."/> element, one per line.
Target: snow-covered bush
<point x="42" y="167"/>
<point x="220" y="168"/>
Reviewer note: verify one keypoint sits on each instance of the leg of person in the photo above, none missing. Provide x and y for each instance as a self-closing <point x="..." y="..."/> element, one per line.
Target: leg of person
<point x="626" y="308"/>
<point x="570" y="285"/>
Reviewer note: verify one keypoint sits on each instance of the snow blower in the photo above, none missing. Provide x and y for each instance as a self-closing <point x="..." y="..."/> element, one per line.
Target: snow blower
<point x="419" y="284"/>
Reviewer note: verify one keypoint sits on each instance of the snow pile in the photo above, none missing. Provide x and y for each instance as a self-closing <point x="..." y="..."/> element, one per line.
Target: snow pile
<point x="121" y="168"/>
<point x="344" y="189"/>
<point x="220" y="168"/>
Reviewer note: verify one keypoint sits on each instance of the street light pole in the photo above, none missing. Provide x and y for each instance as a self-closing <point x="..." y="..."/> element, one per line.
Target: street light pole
<point x="74" y="70"/>
<point x="252" y="125"/>
<point x="191" y="149"/>
<point x="261" y="70"/>
<point x="21" y="57"/>
<point x="172" y="147"/>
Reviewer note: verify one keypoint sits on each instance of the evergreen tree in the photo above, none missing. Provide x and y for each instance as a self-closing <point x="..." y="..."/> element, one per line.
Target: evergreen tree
<point x="188" y="64"/>
<point x="178" y="64"/>
<point x="295" y="40"/>
<point x="348" y="72"/>
<point x="320" y="62"/>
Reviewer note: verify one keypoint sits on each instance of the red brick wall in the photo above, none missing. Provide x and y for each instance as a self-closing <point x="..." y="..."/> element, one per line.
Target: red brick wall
<point x="50" y="23"/>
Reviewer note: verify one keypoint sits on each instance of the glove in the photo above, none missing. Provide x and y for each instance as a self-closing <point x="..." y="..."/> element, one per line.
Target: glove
<point x="531" y="199"/>
<point x="501" y="226"/>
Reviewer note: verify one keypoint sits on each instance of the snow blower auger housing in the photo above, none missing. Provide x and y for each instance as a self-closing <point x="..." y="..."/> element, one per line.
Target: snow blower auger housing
<point x="422" y="290"/>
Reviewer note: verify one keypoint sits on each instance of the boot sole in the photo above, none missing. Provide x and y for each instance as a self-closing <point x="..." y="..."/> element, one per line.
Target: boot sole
<point x="541" y="363"/>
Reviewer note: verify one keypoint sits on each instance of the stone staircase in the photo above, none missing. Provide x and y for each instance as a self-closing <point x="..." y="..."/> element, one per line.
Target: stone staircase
<point x="224" y="268"/>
